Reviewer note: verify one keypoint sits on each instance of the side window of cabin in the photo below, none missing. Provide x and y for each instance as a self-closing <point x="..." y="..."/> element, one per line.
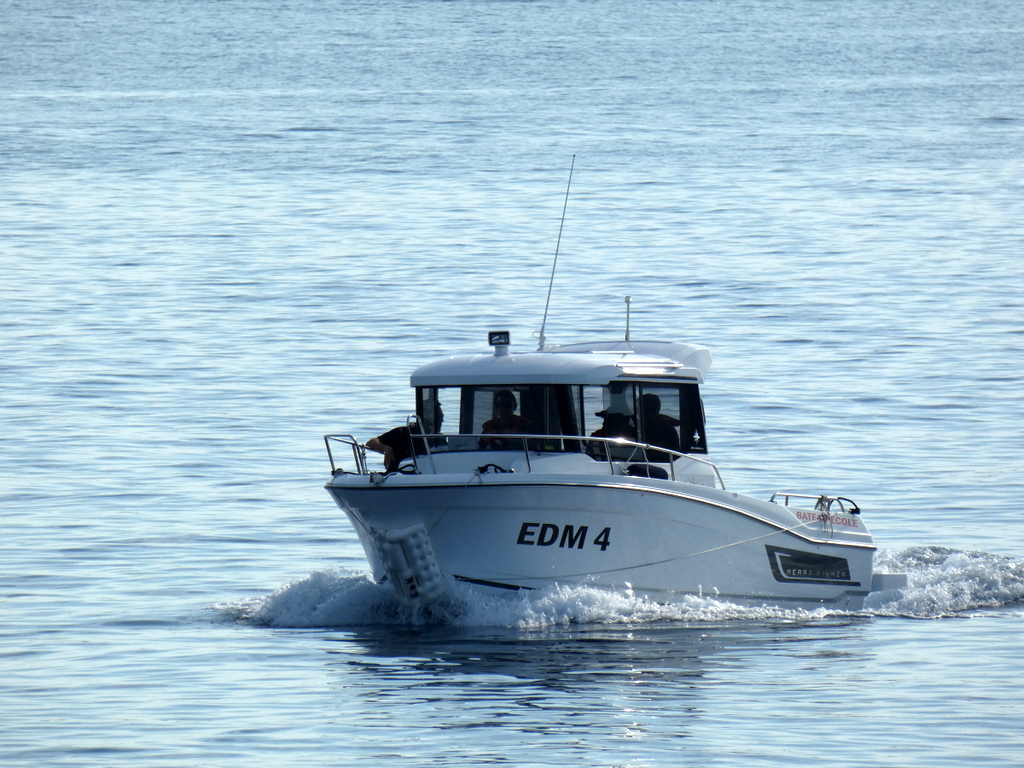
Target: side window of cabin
<point x="438" y="411"/>
<point x="691" y="416"/>
<point x="672" y="416"/>
<point x="666" y="415"/>
<point x="659" y="415"/>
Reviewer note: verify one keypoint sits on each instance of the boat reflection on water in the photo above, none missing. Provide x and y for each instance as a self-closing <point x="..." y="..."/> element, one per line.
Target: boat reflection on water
<point x="568" y="658"/>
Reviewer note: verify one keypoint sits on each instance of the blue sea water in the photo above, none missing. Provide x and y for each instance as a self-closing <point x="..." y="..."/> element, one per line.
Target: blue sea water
<point x="228" y="227"/>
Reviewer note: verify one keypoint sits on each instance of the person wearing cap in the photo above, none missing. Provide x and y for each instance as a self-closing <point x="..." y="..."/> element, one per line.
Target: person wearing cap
<point x="614" y="424"/>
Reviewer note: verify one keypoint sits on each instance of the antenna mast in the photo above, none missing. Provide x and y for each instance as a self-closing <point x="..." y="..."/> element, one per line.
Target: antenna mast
<point x="551" y="284"/>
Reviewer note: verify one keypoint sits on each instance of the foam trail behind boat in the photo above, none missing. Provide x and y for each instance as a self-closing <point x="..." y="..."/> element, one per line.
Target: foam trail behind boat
<point x="942" y="582"/>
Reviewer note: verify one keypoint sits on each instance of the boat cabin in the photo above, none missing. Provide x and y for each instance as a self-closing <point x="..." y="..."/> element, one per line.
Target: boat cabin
<point x="643" y="392"/>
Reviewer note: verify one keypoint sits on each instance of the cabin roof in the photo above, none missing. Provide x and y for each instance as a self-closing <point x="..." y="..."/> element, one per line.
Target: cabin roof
<point x="587" y="363"/>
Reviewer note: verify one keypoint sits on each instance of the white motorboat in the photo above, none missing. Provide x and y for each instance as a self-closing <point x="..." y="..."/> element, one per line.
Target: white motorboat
<point x="586" y="464"/>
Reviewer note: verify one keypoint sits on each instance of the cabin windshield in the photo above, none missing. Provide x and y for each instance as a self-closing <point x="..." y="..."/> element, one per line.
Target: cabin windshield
<point x="665" y="414"/>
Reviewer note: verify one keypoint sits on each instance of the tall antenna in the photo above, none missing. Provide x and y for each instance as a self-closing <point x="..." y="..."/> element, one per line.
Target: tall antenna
<point x="551" y="284"/>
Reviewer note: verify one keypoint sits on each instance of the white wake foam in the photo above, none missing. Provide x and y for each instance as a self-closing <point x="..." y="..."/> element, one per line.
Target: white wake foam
<point x="941" y="582"/>
<point x="947" y="582"/>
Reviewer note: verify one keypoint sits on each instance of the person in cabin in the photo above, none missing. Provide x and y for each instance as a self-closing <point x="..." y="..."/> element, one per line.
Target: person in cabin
<point x="507" y="422"/>
<point x="614" y="424"/>
<point x="658" y="428"/>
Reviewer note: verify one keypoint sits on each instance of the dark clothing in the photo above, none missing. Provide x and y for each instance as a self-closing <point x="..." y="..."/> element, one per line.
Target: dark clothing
<point x="661" y="431"/>
<point x="399" y="440"/>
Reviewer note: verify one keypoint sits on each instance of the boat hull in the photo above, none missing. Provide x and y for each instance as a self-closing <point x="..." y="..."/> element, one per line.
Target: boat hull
<point x="657" y="538"/>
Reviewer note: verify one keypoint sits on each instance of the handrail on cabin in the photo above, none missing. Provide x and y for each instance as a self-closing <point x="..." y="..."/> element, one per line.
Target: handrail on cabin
<point x="596" y="444"/>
